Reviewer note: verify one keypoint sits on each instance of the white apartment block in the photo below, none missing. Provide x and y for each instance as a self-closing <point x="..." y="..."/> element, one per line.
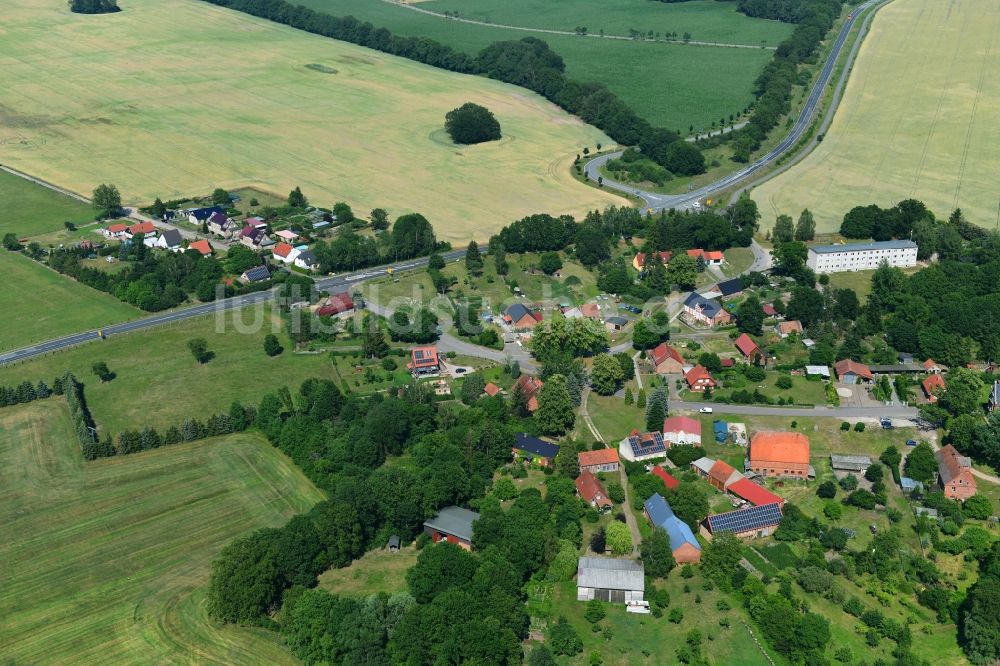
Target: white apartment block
<point x="862" y="256"/>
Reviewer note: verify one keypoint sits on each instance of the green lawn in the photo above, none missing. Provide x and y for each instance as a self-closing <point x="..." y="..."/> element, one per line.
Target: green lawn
<point x="377" y="571"/>
<point x="644" y="639"/>
<point x="106" y="562"/>
<point x="612" y="417"/>
<point x="40" y="304"/>
<point x="27" y="209"/>
<point x="738" y="259"/>
<point x="158" y="381"/>
<point x="693" y="85"/>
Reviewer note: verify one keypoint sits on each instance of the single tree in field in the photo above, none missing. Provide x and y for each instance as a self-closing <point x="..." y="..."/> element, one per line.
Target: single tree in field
<point x="473" y="259"/>
<point x="805" y="228"/>
<point x="199" y="349"/>
<point x="380" y="219"/>
<point x="606" y="375"/>
<point x="343" y="213"/>
<point x="296" y="199"/>
<point x="103" y="373"/>
<point x="471" y="123"/>
<point x="220" y="197"/>
<point x="555" y="412"/>
<point x="271" y="345"/>
<point x="550" y="262"/>
<point x="107" y="201"/>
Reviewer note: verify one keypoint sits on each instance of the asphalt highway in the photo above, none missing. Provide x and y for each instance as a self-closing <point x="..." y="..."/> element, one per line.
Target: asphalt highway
<point x="331" y="284"/>
<point x="656" y="201"/>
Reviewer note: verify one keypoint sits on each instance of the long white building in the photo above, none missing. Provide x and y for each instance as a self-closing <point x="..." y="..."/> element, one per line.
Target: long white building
<point x="862" y="256"/>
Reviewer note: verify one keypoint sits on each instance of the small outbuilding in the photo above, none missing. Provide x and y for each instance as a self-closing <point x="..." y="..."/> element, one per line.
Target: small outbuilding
<point x="609" y="579"/>
<point x="393" y="544"/>
<point x="856" y="464"/>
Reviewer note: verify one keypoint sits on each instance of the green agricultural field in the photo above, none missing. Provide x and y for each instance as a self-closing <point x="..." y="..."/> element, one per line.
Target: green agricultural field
<point x="106" y="562"/>
<point x="917" y="121"/>
<point x="27" y="209"/>
<point x="207" y="97"/>
<point x="47" y="305"/>
<point x="669" y="84"/>
<point x="158" y="381"/>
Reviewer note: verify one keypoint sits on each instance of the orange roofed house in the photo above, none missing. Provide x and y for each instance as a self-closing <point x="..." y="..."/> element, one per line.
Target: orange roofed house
<point x="746" y="346"/>
<point x="202" y="246"/>
<point x="933" y="386"/>
<point x="639" y="262"/>
<point x="780" y="454"/>
<point x="592" y="492"/>
<point x="852" y="372"/>
<point x="699" y="378"/>
<point x="712" y="257"/>
<point x="666" y="360"/>
<point x="424" y="361"/>
<point x="955" y="474"/>
<point x="529" y="387"/>
<point x="601" y="460"/>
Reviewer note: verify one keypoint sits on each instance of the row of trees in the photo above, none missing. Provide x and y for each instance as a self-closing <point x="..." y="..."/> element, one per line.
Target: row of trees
<point x="94" y="6"/>
<point x="528" y="62"/>
<point x="411" y="236"/>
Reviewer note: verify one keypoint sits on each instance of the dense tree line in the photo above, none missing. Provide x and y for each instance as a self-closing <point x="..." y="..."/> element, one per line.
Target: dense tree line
<point x="411" y="236"/>
<point x="24" y="393"/>
<point x="528" y="62"/>
<point x="979" y="614"/>
<point x="83" y="422"/>
<point x="237" y="419"/>
<point x="814" y="18"/>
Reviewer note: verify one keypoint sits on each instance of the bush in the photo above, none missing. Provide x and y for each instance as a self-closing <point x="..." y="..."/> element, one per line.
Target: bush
<point x="676" y="615"/>
<point x="471" y="123"/>
<point x="845" y="426"/>
<point x="827" y="490"/>
<point x="859" y="426"/>
<point x="784" y="382"/>
<point x="849" y="482"/>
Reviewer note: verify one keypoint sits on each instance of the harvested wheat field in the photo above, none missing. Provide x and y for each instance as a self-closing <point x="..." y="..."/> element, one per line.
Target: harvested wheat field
<point x="918" y="120"/>
<point x="107" y="562"/>
<point x="176" y="97"/>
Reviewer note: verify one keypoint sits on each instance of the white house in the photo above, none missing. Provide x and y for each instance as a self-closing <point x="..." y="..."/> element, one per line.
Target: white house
<point x="862" y="256"/>
<point x="169" y="239"/>
<point x="285" y="253"/>
<point x="306" y="259"/>
<point x="679" y="430"/>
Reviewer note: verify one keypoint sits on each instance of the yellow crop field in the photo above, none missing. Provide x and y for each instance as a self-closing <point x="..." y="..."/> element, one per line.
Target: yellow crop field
<point x="918" y="120"/>
<point x="175" y="97"/>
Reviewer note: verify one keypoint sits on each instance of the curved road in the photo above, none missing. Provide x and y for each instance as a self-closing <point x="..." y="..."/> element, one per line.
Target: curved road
<point x="656" y="201"/>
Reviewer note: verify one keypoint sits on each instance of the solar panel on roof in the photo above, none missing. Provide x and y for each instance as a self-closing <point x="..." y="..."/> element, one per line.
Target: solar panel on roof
<point x="646" y="447"/>
<point x="745" y="520"/>
<point x="418" y="354"/>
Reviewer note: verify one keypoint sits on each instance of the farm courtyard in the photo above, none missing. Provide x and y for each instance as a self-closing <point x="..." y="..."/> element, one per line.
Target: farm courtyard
<point x="917" y="121"/>
<point x="198" y="103"/>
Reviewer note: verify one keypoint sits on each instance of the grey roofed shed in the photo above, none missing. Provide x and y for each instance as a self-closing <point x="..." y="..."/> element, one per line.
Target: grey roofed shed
<point x="853" y="463"/>
<point x="610" y="573"/>
<point x="453" y="520"/>
<point x="704" y="464"/>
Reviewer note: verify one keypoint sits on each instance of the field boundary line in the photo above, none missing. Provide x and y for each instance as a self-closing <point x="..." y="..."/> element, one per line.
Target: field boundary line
<point x="553" y="31"/>
<point x="44" y="183"/>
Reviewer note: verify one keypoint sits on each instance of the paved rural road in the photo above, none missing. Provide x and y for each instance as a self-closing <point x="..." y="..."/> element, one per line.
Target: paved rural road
<point x="323" y="284"/>
<point x="656" y="201"/>
<point x="839" y="412"/>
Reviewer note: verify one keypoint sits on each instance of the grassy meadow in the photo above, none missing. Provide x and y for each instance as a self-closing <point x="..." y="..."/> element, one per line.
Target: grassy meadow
<point x="672" y="85"/>
<point x="106" y="562"/>
<point x="158" y="381"/>
<point x="377" y="571"/>
<point x="27" y="209"/>
<point x="47" y="305"/>
<point x="917" y="121"/>
<point x="208" y="97"/>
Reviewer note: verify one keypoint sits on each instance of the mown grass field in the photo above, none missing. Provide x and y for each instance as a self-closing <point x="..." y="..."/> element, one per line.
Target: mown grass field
<point x="27" y="209"/>
<point x="191" y="96"/>
<point x="672" y="85"/>
<point x="39" y="304"/>
<point x="917" y="121"/>
<point x="158" y="381"/>
<point x="106" y="562"/>
<point x="377" y="571"/>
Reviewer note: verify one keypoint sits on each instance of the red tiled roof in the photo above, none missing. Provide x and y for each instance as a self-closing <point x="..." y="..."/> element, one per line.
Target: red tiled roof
<point x="682" y="423"/>
<point x="728" y="363"/>
<point x="932" y="384"/>
<point x="591" y="489"/>
<point x="598" y="457"/>
<point x="282" y="250"/>
<point x="746" y="345"/>
<point x="714" y="255"/>
<point x="951" y="463"/>
<point x="751" y="492"/>
<point x="697" y="373"/>
<point x="491" y="389"/>
<point x="721" y="471"/>
<point x="769" y="310"/>
<point x="663" y="351"/>
<point x="929" y="364"/>
<point x="202" y="246"/>
<point x="423" y="357"/>
<point x="846" y="365"/>
<point x="590" y="310"/>
<point x="117" y="228"/>
<point x="788" y="327"/>
<point x="694" y="254"/>
<point x="142" y="228"/>
<point x="529" y="385"/>
<point x="640" y="258"/>
<point x="335" y="304"/>
<point x="669" y="481"/>
<point x="770" y="446"/>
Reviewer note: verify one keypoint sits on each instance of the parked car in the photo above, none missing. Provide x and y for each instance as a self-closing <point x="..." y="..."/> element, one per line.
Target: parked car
<point x="630" y="308"/>
<point x="705" y="410"/>
<point x="886" y="423"/>
<point x="911" y="442"/>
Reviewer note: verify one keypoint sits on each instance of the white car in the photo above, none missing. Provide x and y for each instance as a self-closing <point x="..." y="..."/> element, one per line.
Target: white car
<point x="705" y="410"/>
